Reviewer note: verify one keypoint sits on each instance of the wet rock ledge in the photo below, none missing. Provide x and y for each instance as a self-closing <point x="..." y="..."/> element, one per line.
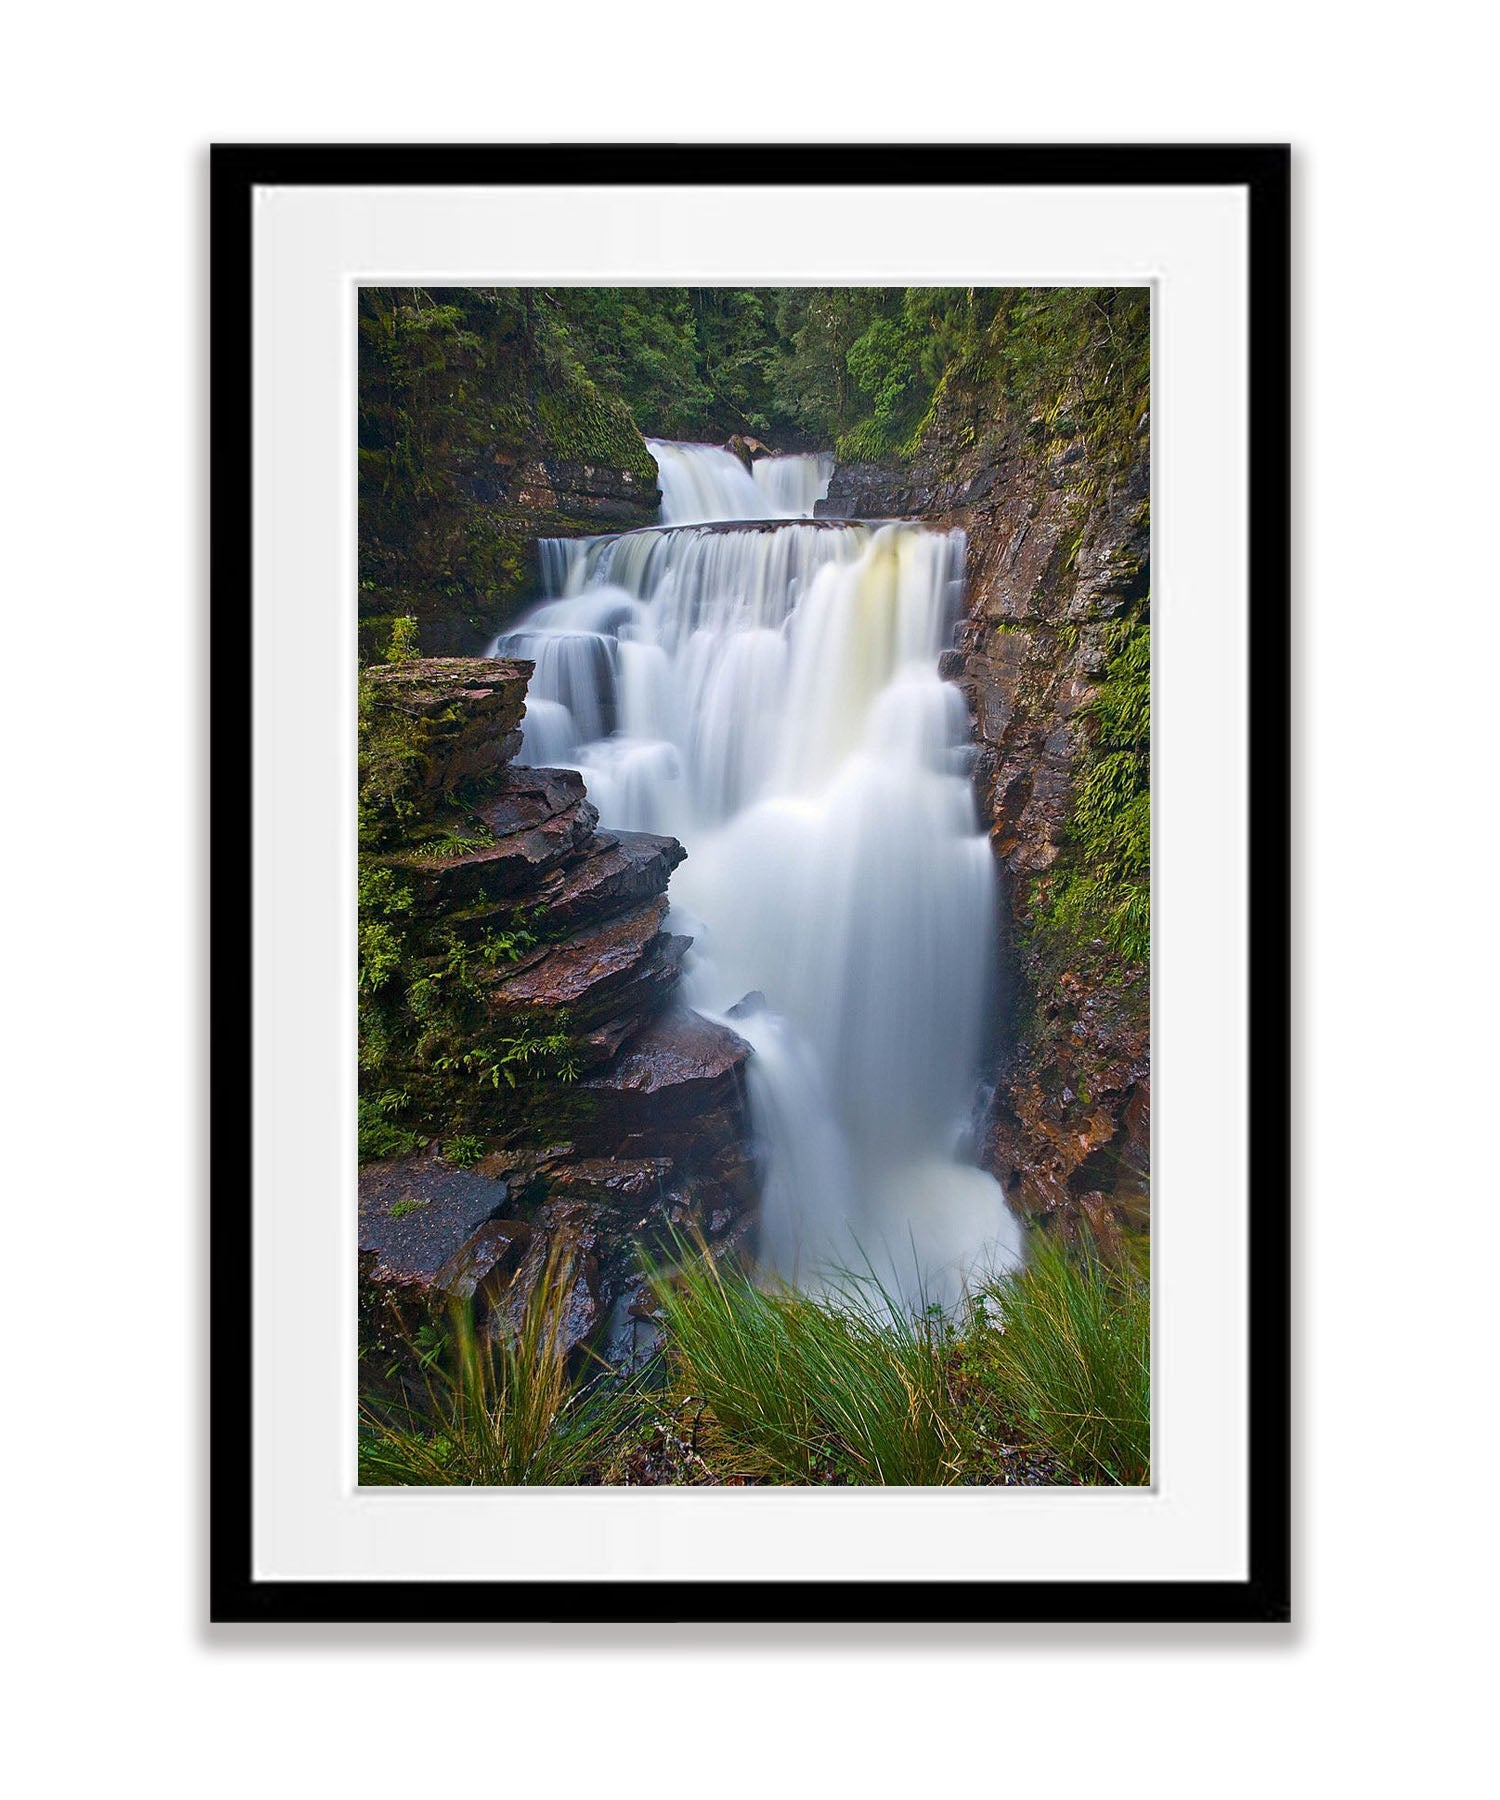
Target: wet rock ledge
<point x="532" y="1087"/>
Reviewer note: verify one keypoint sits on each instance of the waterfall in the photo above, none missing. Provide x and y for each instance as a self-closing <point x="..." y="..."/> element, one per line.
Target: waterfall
<point x="768" y="693"/>
<point x="701" y="482"/>
<point x="793" y="485"/>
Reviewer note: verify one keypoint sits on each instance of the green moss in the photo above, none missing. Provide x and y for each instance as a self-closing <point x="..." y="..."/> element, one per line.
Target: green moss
<point x="579" y="424"/>
<point x="393" y="752"/>
<point x="879" y="440"/>
<point x="1099" y="891"/>
<point x="432" y="1059"/>
<point x="1061" y="369"/>
<point x="493" y="563"/>
<point x="381" y="1133"/>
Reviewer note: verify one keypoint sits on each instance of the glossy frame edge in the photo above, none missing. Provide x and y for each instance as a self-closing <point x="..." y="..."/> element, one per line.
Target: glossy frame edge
<point x="235" y="1596"/>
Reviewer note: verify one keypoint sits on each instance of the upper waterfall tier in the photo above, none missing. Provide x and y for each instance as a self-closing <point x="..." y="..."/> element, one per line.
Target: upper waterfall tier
<point x="794" y="484"/>
<point x="703" y="483"/>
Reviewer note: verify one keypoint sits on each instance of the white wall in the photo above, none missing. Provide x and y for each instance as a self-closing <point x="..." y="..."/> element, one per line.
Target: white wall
<point x="1378" y="1689"/>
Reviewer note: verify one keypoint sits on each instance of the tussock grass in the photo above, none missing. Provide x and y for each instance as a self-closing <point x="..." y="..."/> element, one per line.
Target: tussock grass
<point x="1070" y="1360"/>
<point x="856" y="1387"/>
<point x="510" y="1412"/>
<point x="808" y="1391"/>
<point x="768" y="1385"/>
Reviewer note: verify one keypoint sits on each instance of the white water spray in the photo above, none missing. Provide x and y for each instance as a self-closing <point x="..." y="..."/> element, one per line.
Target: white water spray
<point x="769" y="694"/>
<point x="793" y="485"/>
<point x="703" y="482"/>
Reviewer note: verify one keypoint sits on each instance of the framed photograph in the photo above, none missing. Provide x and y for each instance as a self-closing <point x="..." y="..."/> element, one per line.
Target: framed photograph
<point x="750" y="883"/>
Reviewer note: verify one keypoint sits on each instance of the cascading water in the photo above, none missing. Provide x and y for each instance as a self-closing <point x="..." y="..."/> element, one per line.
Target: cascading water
<point x="794" y="484"/>
<point x="768" y="693"/>
<point x="702" y="482"/>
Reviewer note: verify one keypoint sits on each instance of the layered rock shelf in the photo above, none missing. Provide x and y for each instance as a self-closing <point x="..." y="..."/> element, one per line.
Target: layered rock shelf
<point x="528" y="1028"/>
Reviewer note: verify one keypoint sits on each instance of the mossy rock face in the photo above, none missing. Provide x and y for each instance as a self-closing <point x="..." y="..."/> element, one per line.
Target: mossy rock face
<point x="581" y="426"/>
<point x="430" y="728"/>
<point x="479" y="434"/>
<point x="470" y="708"/>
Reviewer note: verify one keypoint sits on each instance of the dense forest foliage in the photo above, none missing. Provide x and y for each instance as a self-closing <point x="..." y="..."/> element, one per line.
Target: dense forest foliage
<point x="855" y="369"/>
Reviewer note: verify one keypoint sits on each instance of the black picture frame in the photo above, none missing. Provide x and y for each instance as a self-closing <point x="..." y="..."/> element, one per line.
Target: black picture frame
<point x="235" y="1594"/>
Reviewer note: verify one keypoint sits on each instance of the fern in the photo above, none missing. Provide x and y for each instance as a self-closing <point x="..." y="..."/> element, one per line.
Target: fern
<point x="533" y="1051"/>
<point x="452" y="843"/>
<point x="1102" y="886"/>
<point x="402" y="645"/>
<point x="463" y="1151"/>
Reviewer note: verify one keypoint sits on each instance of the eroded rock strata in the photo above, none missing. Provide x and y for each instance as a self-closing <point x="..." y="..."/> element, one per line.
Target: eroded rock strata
<point x="534" y="1092"/>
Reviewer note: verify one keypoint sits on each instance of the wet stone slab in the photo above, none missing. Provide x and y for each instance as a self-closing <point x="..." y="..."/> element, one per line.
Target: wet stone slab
<point x="417" y="1213"/>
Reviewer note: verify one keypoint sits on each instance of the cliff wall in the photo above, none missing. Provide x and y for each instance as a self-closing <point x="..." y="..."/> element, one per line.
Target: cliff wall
<point x="1053" y="658"/>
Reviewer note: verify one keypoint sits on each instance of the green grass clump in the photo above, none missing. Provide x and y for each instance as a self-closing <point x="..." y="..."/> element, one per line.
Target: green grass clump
<point x="464" y="1150"/>
<point x="809" y="1391"/>
<point x="504" y="1412"/>
<point x="1070" y="1360"/>
<point x="1046" y="1377"/>
<point x="855" y="1387"/>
